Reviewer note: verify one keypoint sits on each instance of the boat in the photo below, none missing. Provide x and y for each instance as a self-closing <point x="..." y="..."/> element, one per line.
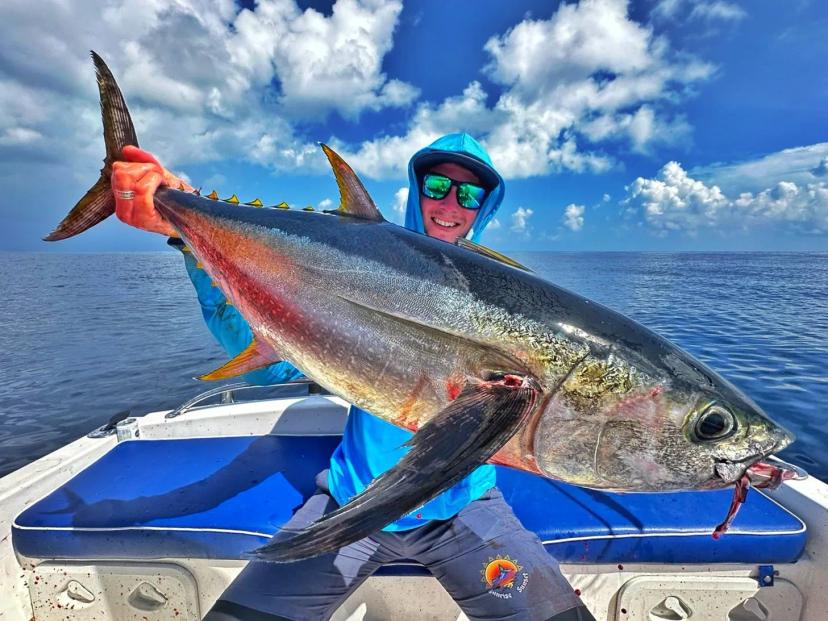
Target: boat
<point x="150" y="518"/>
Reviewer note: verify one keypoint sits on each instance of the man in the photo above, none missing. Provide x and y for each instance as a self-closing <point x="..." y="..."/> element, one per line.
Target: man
<point x="454" y="191"/>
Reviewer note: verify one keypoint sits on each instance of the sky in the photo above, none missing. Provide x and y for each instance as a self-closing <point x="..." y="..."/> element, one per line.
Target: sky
<point x="652" y="125"/>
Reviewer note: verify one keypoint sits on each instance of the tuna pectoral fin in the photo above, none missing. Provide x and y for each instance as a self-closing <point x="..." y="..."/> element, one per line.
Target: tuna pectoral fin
<point x="255" y="356"/>
<point x="465" y="434"/>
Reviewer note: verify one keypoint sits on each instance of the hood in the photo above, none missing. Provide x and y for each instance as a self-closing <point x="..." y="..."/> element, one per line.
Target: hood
<point x="466" y="151"/>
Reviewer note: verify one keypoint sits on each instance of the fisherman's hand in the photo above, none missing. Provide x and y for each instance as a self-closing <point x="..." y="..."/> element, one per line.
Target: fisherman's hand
<point x="142" y="174"/>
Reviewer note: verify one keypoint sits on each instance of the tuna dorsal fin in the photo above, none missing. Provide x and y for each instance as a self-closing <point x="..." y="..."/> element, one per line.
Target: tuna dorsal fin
<point x="492" y="254"/>
<point x="255" y="356"/>
<point x="354" y="199"/>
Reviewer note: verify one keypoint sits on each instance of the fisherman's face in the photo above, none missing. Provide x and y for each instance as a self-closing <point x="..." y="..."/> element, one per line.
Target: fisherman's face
<point x="444" y="218"/>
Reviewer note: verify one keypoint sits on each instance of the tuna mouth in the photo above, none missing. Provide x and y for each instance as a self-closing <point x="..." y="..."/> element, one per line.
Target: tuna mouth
<point x="763" y="471"/>
<point x="767" y="472"/>
<point x="731" y="471"/>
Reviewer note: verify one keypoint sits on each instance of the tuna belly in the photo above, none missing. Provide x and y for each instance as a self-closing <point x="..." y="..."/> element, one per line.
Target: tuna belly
<point x="400" y="371"/>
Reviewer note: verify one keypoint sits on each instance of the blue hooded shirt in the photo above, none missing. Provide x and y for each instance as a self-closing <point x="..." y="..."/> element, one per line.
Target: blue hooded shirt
<point x="370" y="446"/>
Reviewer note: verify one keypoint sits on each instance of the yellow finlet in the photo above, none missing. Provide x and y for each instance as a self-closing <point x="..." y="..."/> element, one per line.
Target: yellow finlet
<point x="213" y="283"/>
<point x="199" y="265"/>
<point x="308" y="208"/>
<point x="185" y="249"/>
<point x="255" y="356"/>
<point x="233" y="199"/>
<point x="282" y="205"/>
<point x="256" y="202"/>
<point x="213" y="195"/>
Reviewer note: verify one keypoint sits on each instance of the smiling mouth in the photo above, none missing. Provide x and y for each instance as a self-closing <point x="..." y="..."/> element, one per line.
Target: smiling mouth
<point x="444" y="223"/>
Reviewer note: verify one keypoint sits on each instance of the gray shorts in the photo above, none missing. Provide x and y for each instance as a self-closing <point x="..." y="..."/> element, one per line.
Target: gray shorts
<point x="487" y="561"/>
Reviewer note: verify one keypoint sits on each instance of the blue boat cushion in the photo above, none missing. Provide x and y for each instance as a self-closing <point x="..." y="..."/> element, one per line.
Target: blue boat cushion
<point x="222" y="497"/>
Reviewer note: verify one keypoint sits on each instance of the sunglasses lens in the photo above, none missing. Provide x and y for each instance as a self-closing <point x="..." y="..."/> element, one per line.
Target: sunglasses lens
<point x="436" y="186"/>
<point x="470" y="196"/>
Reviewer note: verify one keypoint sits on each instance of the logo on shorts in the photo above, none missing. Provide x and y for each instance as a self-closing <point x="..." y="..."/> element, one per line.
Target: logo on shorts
<point x="503" y="575"/>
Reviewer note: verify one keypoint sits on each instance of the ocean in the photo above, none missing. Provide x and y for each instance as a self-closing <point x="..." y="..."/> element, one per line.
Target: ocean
<point x="85" y="336"/>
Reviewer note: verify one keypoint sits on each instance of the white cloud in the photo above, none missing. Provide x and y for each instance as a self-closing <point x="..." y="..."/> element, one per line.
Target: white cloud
<point x="821" y="169"/>
<point x="588" y="70"/>
<point x="494" y="225"/>
<point x="708" y="11"/>
<point x="588" y="74"/>
<point x="717" y="10"/>
<point x="322" y="63"/>
<point x="666" y="9"/>
<point x="575" y="43"/>
<point x="520" y="220"/>
<point x="802" y="208"/>
<point x="798" y="164"/>
<point x="387" y="156"/>
<point x="573" y="218"/>
<point x="204" y="80"/>
<point x="674" y="201"/>
<point x="325" y="203"/>
<point x="207" y="81"/>
<point x="642" y="129"/>
<point x="400" y="203"/>
<point x="216" y="180"/>
<point x="19" y="136"/>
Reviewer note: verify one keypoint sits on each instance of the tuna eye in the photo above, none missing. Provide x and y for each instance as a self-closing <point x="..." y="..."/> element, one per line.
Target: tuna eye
<point x="715" y="423"/>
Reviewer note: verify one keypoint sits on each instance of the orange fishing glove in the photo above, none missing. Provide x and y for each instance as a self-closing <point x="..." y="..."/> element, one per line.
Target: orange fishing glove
<point x="141" y="174"/>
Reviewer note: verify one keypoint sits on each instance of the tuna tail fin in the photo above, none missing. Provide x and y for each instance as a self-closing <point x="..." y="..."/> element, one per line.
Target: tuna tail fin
<point x="98" y="203"/>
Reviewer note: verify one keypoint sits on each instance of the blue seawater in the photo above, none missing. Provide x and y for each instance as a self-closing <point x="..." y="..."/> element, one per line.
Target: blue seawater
<point x="87" y="335"/>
